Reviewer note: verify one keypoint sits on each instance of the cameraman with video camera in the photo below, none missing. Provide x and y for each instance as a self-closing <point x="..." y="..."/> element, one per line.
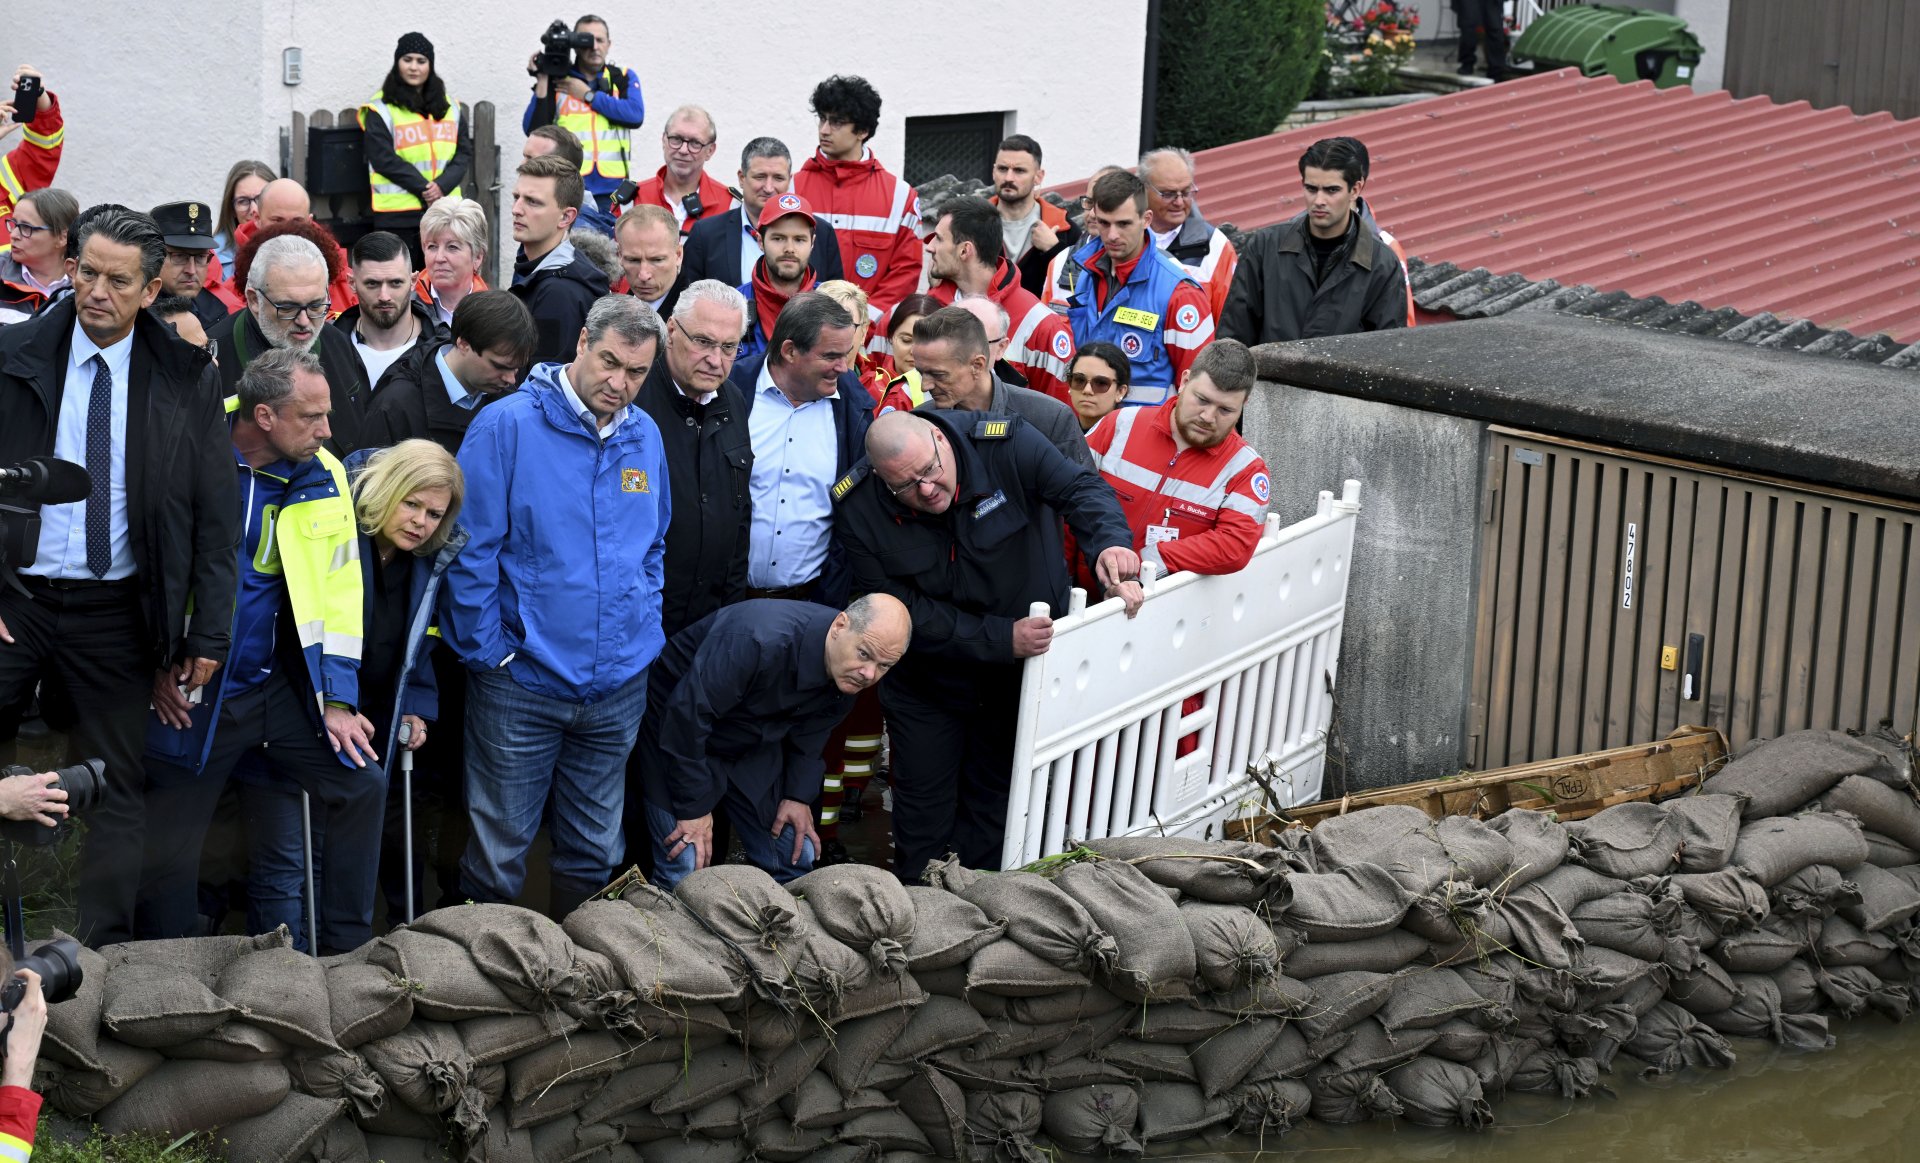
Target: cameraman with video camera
<point x="575" y="88"/>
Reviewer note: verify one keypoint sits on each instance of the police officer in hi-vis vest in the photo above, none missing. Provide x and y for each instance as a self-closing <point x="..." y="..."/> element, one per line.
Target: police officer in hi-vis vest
<point x="597" y="102"/>
<point x="417" y="142"/>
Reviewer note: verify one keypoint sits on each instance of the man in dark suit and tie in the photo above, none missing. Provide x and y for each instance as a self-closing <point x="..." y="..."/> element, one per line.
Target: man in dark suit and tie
<point x="103" y="604"/>
<point x="726" y="246"/>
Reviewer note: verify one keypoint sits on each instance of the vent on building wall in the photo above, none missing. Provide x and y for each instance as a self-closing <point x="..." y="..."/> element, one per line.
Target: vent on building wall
<point x="961" y="144"/>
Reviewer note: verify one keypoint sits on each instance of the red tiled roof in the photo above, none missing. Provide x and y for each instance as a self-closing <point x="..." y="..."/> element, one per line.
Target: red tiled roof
<point x="1804" y="213"/>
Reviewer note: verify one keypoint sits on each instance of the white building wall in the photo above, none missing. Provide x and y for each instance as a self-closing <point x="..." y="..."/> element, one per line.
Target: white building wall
<point x="160" y="99"/>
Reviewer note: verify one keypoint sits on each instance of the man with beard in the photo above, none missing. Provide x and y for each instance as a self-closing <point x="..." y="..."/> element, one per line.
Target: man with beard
<point x="286" y="306"/>
<point x="786" y="237"/>
<point x="967" y="260"/>
<point x="388" y="321"/>
<point x="725" y="246"/>
<point x="1035" y="229"/>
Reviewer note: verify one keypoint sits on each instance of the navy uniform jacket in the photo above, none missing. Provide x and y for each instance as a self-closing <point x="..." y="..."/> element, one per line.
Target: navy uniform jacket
<point x="967" y="575"/>
<point x="742" y="698"/>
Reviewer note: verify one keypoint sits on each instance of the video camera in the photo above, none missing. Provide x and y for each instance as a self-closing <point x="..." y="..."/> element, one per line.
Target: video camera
<point x="557" y="46"/>
<point x="42" y="480"/>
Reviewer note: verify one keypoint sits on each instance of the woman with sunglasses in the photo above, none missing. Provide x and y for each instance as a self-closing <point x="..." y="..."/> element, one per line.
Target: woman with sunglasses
<point x="1097" y="382"/>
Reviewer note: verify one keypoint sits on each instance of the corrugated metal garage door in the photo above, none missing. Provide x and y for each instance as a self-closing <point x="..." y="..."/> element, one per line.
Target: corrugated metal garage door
<point x="1785" y="607"/>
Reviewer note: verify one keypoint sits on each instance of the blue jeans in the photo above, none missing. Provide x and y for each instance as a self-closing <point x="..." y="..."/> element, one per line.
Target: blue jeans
<point x="766" y="851"/>
<point x="525" y="751"/>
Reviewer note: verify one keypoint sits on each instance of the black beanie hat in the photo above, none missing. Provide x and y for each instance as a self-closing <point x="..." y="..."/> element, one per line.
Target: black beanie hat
<point x="414" y="42"/>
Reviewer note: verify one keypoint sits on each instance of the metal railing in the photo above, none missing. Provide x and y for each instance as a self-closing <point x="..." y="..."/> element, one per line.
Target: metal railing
<point x="1172" y="722"/>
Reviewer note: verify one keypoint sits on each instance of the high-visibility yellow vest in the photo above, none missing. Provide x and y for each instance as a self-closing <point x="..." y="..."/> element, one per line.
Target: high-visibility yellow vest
<point x="425" y="143"/>
<point x="603" y="144"/>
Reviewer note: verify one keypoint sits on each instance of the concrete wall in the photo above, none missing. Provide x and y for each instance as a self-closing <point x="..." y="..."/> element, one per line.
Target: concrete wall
<point x="161" y="99"/>
<point x="1406" y="657"/>
<point x="1707" y="19"/>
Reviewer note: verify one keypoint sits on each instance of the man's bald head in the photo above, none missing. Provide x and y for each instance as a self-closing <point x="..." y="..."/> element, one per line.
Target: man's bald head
<point x="897" y="435"/>
<point x="913" y="461"/>
<point x="865" y="641"/>
<point x="284" y="200"/>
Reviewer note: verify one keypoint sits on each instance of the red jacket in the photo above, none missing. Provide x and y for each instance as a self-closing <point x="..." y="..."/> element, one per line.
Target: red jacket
<point x="19" y="1115"/>
<point x="1212" y="501"/>
<point x="1039" y="342"/>
<point x="340" y="292"/>
<point x="877" y="218"/>
<point x="31" y="164"/>
<point x="715" y="198"/>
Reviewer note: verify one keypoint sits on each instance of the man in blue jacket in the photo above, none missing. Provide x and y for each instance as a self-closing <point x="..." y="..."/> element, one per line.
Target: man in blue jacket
<point x="555" y="606"/>
<point x="740" y="704"/>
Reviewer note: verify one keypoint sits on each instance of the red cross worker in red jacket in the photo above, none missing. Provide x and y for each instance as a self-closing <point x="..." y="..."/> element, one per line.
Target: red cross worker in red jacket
<point x="875" y="214"/>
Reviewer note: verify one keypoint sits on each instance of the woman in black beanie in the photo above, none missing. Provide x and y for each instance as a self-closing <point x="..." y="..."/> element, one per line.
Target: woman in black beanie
<point x="418" y="143"/>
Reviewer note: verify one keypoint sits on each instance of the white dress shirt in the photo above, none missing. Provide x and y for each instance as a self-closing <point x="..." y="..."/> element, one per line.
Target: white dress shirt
<point x="794" y="463"/>
<point x="63" y="528"/>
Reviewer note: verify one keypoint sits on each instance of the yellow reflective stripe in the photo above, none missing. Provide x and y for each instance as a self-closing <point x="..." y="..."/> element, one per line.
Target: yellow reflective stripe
<point x="7" y="181"/>
<point x="14" y="1150"/>
<point x="45" y="140"/>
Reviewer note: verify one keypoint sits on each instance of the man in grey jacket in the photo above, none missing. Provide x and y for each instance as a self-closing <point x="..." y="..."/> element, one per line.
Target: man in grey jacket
<point x="957" y="373"/>
<point x="1324" y="272"/>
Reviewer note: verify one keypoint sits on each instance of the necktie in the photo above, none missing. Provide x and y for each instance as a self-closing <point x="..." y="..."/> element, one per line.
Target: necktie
<point x="100" y="470"/>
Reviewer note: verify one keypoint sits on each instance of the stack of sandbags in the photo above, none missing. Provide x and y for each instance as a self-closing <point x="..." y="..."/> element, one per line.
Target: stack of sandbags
<point x="1384" y="965"/>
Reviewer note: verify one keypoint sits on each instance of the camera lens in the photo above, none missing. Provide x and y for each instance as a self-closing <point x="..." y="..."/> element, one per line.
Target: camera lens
<point x="82" y="783"/>
<point x="58" y="964"/>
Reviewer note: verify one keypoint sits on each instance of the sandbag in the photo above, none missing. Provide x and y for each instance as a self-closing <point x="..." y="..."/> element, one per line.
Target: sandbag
<point x="283" y="991"/>
<point x="1628" y="840"/>
<point x="424" y="1066"/>
<point x="236" y="1040"/>
<point x="1154" y="958"/>
<point x="1709" y="828"/>
<point x="886" y="1130"/>
<point x="1150" y="1061"/>
<point x="864" y="908"/>
<point x="1885" y="852"/>
<point x="1008" y="968"/>
<point x="938" y="1106"/>
<point x="78" y="1090"/>
<point x="1268" y="1108"/>
<point x="778" y="1140"/>
<point x="1772" y="850"/>
<point x="1885" y="900"/>
<point x="1094" y="1120"/>
<point x="1067" y="1005"/>
<point x="1399" y="838"/>
<point x="179" y="1098"/>
<point x="447" y="984"/>
<point x="1341" y="999"/>
<point x="1044" y="920"/>
<point x="1780" y="775"/>
<point x="1171" y="1111"/>
<point x="1671" y="1039"/>
<point x="658" y="949"/>
<point x="1766" y="948"/>
<point x="1423" y="998"/>
<point x="567" y="1139"/>
<point x="1625" y="923"/>
<point x="283" y="1134"/>
<point x="1225" y="1060"/>
<point x="201" y="957"/>
<point x="340" y="1141"/>
<point x="1373" y="1048"/>
<point x="1459" y="1040"/>
<point x="1537" y="843"/>
<point x="1004" y="1125"/>
<point x="1757" y="1013"/>
<point x="1852" y="989"/>
<point x="528" y="956"/>
<point x="1352" y="1096"/>
<point x="1361" y="900"/>
<point x="1218" y="871"/>
<point x="339" y="1074"/>
<point x="497" y="1039"/>
<point x="946" y="929"/>
<point x="1707" y="989"/>
<point x="365" y="1002"/>
<point x="858" y="1045"/>
<point x="1436" y="1093"/>
<point x="1551" y="1069"/>
<point x="941" y="1024"/>
<point x="1815" y="892"/>
<point x="1889" y="811"/>
<point x="1231" y="945"/>
<point x="1841" y="942"/>
<point x="1729" y="901"/>
<point x="155" y="1005"/>
<point x="1389" y="952"/>
<point x="1291" y="1055"/>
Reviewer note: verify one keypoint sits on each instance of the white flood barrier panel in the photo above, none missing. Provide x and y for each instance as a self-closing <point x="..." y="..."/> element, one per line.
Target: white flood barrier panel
<point x="1151" y="725"/>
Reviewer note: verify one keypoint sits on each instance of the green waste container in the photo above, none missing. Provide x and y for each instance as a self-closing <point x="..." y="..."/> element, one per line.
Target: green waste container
<point x="1603" y="40"/>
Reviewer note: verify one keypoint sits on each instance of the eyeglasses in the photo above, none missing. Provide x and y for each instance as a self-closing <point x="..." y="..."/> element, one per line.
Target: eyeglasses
<point x="686" y="144"/>
<point x="930" y="476"/>
<point x="1098" y="385"/>
<point x="1185" y="194"/>
<point x="708" y="346"/>
<point x="1001" y="339"/>
<point x="288" y="312"/>
<point x="24" y="230"/>
<point x="191" y="258"/>
<point x="244" y="203"/>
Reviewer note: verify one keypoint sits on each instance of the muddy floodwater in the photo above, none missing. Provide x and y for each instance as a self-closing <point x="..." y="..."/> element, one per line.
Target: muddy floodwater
<point x="1856" y="1103"/>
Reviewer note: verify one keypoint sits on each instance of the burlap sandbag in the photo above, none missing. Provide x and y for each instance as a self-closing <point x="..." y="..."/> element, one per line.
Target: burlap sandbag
<point x="446" y="983"/>
<point x="552" y="1102"/>
<point x="1671" y="1039"/>
<point x="1537" y="844"/>
<point x="567" y="1139"/>
<point x="283" y="1134"/>
<point x="1351" y="1096"/>
<point x="1885" y="901"/>
<point x="1219" y="871"/>
<point x="498" y="1039"/>
<point x="938" y="1106"/>
<point x="709" y="1076"/>
<point x="528" y="956"/>
<point x="590" y="1054"/>
<point x="630" y="1089"/>
<point x="723" y="1118"/>
<point x="1387" y="953"/>
<point x="236" y="1040"/>
<point x="1231" y="945"/>
<point x="864" y="908"/>
<point x="1891" y="812"/>
<point x="886" y="1130"/>
<point x="202" y="957"/>
<point x="1841" y="942"/>
<point x="941" y="1024"/>
<point x="340" y="1141"/>
<point x="1816" y="891"/>
<point x="284" y="991"/>
<point x="1094" y="1120"/>
<point x="1149" y="1061"/>
<point x="1067" y="1005"/>
<point x="1044" y="920"/>
<point x="1730" y="900"/>
<point x="1423" y="998"/>
<point x="1709" y="828"/>
<point x="701" y="1150"/>
<point x="1708" y="989"/>
<point x="777" y="1140"/>
<point x="795" y="961"/>
<point x="400" y="1149"/>
<point x="817" y="1104"/>
<point x="365" y="1002"/>
<point x="77" y="1090"/>
<point x="1341" y="999"/>
<point x="424" y="1066"/>
<point x="659" y="950"/>
<point x="1170" y="1111"/>
<point x="1436" y="1093"/>
<point x="1625" y="923"/>
<point x="1772" y="850"/>
<point x="1224" y="1060"/>
<point x="158" y="1006"/>
<point x="1886" y="852"/>
<point x="1756" y="1013"/>
<point x="946" y="929"/>
<point x="858" y="1045"/>
<point x="1155" y="959"/>
<point x="1361" y="900"/>
<point x="1549" y="1069"/>
<point x="1272" y="1107"/>
<point x="1781" y="775"/>
<point x="1459" y="1040"/>
<point x="178" y="1098"/>
<point x="1628" y="840"/>
<point x="1279" y="996"/>
<point x="1372" y="1048"/>
<point x="1008" y="968"/>
<point x="1399" y="838"/>
<point x="1853" y="989"/>
<point x="1004" y="1126"/>
<point x="342" y="1075"/>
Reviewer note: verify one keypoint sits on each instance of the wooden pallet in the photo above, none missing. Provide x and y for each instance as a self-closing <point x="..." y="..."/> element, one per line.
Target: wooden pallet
<point x="1573" y="788"/>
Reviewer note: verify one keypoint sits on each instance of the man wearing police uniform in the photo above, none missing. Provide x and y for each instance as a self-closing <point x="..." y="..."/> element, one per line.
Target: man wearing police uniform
<point x="942" y="515"/>
<point x="187" y="228"/>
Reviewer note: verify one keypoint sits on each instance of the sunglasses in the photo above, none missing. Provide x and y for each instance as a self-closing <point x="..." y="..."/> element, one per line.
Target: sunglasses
<point x="1098" y="385"/>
